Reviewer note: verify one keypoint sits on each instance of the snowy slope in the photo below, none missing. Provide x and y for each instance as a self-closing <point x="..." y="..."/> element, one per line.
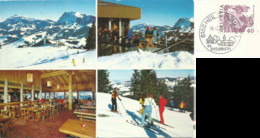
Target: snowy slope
<point x="142" y="59"/>
<point x="115" y="125"/>
<point x="46" y="57"/>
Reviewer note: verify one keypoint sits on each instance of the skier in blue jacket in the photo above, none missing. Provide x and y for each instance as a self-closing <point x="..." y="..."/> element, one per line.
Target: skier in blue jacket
<point x="172" y="104"/>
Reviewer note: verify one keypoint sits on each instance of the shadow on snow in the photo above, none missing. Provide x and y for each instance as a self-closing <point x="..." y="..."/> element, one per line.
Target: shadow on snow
<point x="65" y="57"/>
<point x="152" y="134"/>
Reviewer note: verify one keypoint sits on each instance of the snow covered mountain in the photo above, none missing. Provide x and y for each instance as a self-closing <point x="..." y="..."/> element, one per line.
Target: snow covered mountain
<point x="183" y="25"/>
<point x="126" y="85"/>
<point x="15" y="25"/>
<point x="122" y="86"/>
<point x="141" y="27"/>
<point x="71" y="25"/>
<point x="70" y="18"/>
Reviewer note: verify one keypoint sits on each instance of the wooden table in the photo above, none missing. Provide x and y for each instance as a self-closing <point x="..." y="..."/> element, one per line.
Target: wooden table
<point x="87" y="107"/>
<point x="72" y="127"/>
<point x="86" y="114"/>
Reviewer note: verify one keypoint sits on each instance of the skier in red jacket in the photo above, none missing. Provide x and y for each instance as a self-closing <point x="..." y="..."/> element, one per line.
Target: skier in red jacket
<point x="162" y="103"/>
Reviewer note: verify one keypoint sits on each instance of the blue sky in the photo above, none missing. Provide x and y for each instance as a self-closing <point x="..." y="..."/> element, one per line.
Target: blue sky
<point x="160" y="12"/>
<point x="45" y="9"/>
<point x="125" y="75"/>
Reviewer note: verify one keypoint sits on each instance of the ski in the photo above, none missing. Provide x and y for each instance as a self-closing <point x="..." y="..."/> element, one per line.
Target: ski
<point x="145" y="127"/>
<point x="167" y="125"/>
<point x="164" y="124"/>
<point x="114" y="112"/>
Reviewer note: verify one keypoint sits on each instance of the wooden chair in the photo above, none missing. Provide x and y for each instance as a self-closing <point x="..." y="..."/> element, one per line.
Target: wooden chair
<point x="30" y="114"/>
<point x="10" y="111"/>
<point x="66" y="106"/>
<point x="23" y="113"/>
<point x="44" y="114"/>
<point x="12" y="114"/>
<point x="52" y="109"/>
<point x="3" y="112"/>
<point x="38" y="116"/>
<point x="8" y="108"/>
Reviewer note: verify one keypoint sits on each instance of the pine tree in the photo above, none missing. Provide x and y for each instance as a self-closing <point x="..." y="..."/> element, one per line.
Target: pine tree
<point x="163" y="90"/>
<point x="184" y="91"/>
<point x="136" y="84"/>
<point x="146" y="81"/>
<point x="103" y="81"/>
<point x="91" y="39"/>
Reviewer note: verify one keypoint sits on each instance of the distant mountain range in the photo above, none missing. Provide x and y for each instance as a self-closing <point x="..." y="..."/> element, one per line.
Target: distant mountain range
<point x="69" y="25"/>
<point x="169" y="81"/>
<point x="182" y="25"/>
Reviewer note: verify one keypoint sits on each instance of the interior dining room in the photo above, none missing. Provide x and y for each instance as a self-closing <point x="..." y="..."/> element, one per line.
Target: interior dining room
<point x="48" y="103"/>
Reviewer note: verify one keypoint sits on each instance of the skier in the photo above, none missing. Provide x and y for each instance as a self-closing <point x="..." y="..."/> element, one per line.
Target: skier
<point x="142" y="99"/>
<point x="148" y="102"/>
<point x="172" y="104"/>
<point x="182" y="106"/>
<point x="113" y="99"/>
<point x="162" y="103"/>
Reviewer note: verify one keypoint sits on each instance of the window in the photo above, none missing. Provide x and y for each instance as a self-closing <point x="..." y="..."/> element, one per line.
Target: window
<point x="28" y="95"/>
<point x="59" y="95"/>
<point x="83" y="95"/>
<point x="47" y="95"/>
<point x="43" y="95"/>
<point x="74" y="95"/>
<point x="52" y="95"/>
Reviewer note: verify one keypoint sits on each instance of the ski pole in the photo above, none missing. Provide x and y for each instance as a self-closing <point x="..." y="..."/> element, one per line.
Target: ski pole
<point x="157" y="116"/>
<point x="123" y="105"/>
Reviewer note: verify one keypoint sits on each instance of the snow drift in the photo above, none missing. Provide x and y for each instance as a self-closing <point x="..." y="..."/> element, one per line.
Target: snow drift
<point x="143" y="60"/>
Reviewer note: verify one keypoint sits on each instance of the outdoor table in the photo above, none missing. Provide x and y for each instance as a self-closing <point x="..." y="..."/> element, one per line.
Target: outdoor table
<point x="73" y="127"/>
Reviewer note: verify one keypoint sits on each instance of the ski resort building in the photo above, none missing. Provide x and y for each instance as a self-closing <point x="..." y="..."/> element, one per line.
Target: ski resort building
<point x="42" y="42"/>
<point x="47" y="98"/>
<point x="112" y="15"/>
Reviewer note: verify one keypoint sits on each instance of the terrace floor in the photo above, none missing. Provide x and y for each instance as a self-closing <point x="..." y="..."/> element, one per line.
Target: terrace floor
<point x="49" y="128"/>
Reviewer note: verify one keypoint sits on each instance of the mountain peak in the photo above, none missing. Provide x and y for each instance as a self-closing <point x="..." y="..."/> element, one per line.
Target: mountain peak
<point x="70" y="18"/>
<point x="78" y="14"/>
<point x="184" y="24"/>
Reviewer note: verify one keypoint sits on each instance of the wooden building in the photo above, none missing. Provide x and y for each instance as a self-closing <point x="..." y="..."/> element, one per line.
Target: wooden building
<point x="112" y="15"/>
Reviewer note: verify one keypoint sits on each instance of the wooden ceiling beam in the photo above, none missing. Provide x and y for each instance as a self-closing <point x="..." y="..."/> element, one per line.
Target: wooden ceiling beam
<point x="53" y="74"/>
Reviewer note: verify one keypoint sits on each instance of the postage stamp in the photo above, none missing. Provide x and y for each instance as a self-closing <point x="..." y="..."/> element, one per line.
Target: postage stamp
<point x="242" y="13"/>
<point x="220" y="32"/>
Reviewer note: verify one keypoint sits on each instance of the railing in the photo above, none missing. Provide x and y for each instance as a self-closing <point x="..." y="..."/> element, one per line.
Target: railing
<point x="16" y="103"/>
